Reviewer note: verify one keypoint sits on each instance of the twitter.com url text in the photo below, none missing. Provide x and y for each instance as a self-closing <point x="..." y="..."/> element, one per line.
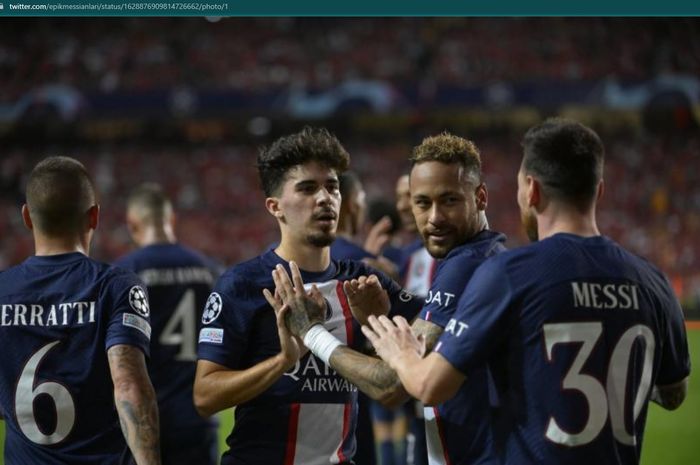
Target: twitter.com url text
<point x="124" y="6"/>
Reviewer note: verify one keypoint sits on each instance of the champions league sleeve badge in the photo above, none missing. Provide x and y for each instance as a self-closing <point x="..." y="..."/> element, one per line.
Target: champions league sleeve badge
<point x="138" y="300"/>
<point x="212" y="309"/>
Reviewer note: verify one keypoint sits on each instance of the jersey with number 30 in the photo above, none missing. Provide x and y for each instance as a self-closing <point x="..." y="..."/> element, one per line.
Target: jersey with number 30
<point x="58" y="316"/>
<point x="576" y="332"/>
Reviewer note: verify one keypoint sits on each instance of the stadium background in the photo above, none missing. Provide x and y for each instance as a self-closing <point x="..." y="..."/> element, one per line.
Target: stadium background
<point x="187" y="102"/>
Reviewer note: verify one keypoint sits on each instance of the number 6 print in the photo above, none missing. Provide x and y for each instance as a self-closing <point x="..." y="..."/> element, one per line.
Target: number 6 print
<point x="24" y="402"/>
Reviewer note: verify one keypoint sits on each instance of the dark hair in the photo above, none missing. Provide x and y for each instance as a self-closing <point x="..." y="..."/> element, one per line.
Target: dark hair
<point x="448" y="148"/>
<point x="59" y="192"/>
<point x="379" y="208"/>
<point x="310" y="144"/>
<point x="151" y="202"/>
<point x="567" y="158"/>
<point x="348" y="182"/>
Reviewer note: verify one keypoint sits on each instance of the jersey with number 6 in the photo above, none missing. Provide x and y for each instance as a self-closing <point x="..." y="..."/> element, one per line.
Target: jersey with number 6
<point x="576" y="332"/>
<point x="178" y="280"/>
<point x="58" y="316"/>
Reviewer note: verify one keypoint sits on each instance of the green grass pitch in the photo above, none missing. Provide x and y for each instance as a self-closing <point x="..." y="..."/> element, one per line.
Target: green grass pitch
<point x="670" y="437"/>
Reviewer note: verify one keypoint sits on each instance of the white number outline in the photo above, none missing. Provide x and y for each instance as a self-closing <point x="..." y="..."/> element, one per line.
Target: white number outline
<point x="25" y="394"/>
<point x="602" y="401"/>
<point x="184" y="313"/>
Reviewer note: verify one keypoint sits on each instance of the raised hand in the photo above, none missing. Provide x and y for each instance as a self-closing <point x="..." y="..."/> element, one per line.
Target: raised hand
<point x="305" y="309"/>
<point x="393" y="340"/>
<point x="291" y="347"/>
<point x="366" y="297"/>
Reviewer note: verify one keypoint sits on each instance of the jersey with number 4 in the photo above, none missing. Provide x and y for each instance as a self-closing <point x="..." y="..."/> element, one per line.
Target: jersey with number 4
<point x="58" y="316"/>
<point x="576" y="331"/>
<point x="308" y="416"/>
<point x="178" y="281"/>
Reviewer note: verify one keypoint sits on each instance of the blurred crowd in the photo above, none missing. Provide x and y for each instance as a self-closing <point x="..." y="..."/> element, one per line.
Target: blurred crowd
<point x="140" y="54"/>
<point x="652" y="196"/>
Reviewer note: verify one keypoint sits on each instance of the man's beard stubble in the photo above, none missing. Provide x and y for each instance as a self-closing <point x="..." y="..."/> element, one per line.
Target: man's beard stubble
<point x="321" y="239"/>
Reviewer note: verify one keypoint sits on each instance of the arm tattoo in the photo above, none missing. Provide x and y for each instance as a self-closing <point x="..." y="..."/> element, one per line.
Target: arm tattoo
<point x="373" y="376"/>
<point x="136" y="403"/>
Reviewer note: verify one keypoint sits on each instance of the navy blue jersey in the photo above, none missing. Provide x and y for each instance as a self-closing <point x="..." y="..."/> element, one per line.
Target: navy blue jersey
<point x="343" y="249"/>
<point x="576" y="332"/>
<point x="308" y="416"/>
<point x="458" y="432"/>
<point x="58" y="316"/>
<point x="179" y="281"/>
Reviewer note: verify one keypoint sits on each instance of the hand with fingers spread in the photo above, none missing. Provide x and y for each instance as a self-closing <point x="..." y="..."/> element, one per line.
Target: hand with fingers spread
<point x="366" y="297"/>
<point x="291" y="347"/>
<point x="306" y="309"/>
<point x="394" y="341"/>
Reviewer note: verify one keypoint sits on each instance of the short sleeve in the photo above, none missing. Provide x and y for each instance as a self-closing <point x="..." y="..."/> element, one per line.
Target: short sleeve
<point x="480" y="320"/>
<point x="451" y="278"/>
<point x="223" y="337"/>
<point x="129" y="313"/>
<point x="675" y="358"/>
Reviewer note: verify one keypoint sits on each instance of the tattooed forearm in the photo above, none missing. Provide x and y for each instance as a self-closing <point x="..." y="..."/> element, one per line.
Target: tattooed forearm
<point x="123" y="425"/>
<point x="136" y="403"/>
<point x="141" y="424"/>
<point x="373" y="376"/>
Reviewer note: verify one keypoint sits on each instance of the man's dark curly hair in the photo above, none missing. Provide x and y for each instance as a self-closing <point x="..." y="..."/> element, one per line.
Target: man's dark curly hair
<point x="310" y="144"/>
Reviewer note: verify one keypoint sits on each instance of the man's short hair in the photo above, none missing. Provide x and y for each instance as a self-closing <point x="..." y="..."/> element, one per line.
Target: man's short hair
<point x="59" y="192"/>
<point x="448" y="148"/>
<point x="150" y="203"/>
<point x="310" y="144"/>
<point x="567" y="158"/>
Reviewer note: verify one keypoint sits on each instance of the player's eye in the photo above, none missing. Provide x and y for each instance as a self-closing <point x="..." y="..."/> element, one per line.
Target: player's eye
<point x="307" y="189"/>
<point x="421" y="203"/>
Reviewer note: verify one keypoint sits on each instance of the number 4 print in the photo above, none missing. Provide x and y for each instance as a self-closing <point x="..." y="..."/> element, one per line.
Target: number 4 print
<point x="601" y="400"/>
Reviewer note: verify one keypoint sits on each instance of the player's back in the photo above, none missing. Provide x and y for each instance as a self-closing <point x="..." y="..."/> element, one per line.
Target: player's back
<point x="179" y="281"/>
<point x="58" y="316"/>
<point x="591" y="328"/>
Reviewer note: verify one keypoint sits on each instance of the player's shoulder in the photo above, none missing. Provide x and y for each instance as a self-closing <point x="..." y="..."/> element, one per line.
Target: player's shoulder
<point x="256" y="271"/>
<point x="485" y="244"/>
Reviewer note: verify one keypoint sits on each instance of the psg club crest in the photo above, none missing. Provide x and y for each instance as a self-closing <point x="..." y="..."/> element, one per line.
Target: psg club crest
<point x="138" y="300"/>
<point x="212" y="309"/>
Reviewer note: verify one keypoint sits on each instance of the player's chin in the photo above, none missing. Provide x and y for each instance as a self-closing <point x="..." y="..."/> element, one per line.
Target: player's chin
<point x="321" y="238"/>
<point x="438" y="250"/>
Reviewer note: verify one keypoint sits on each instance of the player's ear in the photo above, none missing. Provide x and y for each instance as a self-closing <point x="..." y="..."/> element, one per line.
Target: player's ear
<point x="534" y="191"/>
<point x="601" y="190"/>
<point x="93" y="216"/>
<point x="26" y="218"/>
<point x="482" y="196"/>
<point x="272" y="204"/>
